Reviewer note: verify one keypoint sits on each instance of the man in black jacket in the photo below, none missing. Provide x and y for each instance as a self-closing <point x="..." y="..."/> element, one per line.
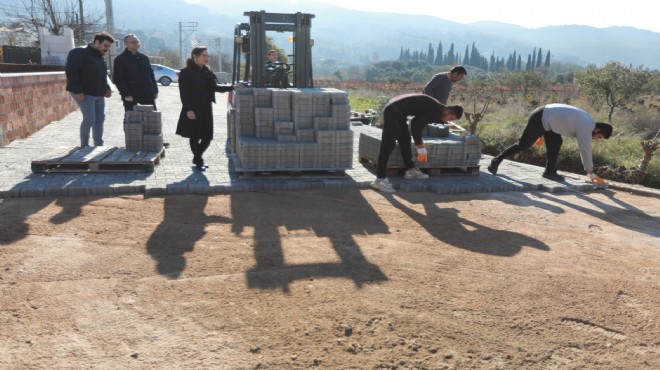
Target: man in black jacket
<point x="424" y="110"/>
<point x="133" y="76"/>
<point x="87" y="81"/>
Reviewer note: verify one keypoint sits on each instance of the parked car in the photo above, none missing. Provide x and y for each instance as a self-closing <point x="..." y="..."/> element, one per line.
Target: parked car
<point x="165" y="75"/>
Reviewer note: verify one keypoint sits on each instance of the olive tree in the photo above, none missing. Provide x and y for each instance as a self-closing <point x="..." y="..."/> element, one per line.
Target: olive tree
<point x="525" y="81"/>
<point x="613" y="85"/>
<point x="652" y="86"/>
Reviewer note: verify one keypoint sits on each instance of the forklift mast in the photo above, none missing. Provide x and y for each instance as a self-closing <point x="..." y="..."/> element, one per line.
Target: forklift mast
<point x="250" y="40"/>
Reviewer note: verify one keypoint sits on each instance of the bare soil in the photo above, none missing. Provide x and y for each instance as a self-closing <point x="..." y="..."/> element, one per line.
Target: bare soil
<point x="331" y="279"/>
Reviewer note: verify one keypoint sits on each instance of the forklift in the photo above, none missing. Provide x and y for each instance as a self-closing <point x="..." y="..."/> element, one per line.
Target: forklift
<point x="250" y="51"/>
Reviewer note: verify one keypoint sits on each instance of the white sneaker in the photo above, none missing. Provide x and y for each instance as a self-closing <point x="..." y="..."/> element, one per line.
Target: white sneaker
<point x="383" y="185"/>
<point x="415" y="174"/>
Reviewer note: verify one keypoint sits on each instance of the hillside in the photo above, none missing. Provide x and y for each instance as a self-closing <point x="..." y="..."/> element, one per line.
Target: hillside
<point x="355" y="37"/>
<point x="361" y="37"/>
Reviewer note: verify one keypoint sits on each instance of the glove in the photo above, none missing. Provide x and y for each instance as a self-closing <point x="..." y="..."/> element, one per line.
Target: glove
<point x="422" y="155"/>
<point x="597" y="181"/>
<point x="539" y="142"/>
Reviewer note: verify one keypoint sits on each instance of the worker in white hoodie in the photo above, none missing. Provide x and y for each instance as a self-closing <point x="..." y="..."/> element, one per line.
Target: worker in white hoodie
<point x="550" y="123"/>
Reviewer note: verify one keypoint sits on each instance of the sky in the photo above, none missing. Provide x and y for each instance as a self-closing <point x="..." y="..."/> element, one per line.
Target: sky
<point x="527" y="13"/>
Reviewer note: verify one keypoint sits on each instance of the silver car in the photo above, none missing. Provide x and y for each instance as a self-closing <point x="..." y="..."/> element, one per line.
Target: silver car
<point x="165" y="75"/>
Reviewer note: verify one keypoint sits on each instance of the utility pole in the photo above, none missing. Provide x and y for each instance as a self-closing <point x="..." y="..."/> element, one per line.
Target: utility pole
<point x="81" y="34"/>
<point x="110" y="27"/>
<point x="188" y="28"/>
<point x="109" y="17"/>
<point x="218" y="43"/>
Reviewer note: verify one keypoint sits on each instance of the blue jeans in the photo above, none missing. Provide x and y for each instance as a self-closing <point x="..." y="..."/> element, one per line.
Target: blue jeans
<point x="93" y="111"/>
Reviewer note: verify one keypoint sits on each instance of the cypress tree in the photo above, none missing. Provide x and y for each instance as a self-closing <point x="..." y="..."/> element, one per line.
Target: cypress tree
<point x="430" y="56"/>
<point x="438" y="57"/>
<point x="450" y="55"/>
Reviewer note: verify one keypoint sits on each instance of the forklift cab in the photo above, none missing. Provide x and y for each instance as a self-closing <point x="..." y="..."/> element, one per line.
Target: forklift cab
<point x="250" y="51"/>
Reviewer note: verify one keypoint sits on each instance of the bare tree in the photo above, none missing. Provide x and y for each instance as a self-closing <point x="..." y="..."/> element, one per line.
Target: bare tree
<point x="54" y="15"/>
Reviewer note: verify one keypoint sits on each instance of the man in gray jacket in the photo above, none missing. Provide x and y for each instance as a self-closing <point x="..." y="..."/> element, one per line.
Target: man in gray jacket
<point x="551" y="122"/>
<point x="440" y="85"/>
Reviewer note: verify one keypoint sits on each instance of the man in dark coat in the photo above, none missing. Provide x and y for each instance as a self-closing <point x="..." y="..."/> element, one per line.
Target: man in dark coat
<point x="134" y="77"/>
<point x="87" y="81"/>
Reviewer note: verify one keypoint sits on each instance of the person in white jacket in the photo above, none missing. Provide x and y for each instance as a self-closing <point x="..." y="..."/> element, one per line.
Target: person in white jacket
<point x="551" y="122"/>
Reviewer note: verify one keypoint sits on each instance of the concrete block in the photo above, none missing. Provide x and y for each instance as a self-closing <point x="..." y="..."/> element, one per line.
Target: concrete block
<point x="153" y="127"/>
<point x="133" y="117"/>
<point x="153" y="117"/>
<point x="143" y="108"/>
<point x="152" y="142"/>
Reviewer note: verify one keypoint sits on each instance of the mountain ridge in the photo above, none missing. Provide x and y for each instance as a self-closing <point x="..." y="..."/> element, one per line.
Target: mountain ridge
<point x="360" y="37"/>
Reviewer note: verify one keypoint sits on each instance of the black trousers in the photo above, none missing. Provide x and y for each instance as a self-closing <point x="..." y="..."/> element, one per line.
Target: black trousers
<point x="533" y="131"/>
<point x="198" y="147"/>
<point x="395" y="129"/>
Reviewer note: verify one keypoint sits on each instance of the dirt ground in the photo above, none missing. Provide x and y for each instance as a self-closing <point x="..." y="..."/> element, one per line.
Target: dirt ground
<point x="332" y="279"/>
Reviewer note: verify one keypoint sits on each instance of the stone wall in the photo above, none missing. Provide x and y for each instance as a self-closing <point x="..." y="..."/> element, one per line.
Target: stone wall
<point x="29" y="101"/>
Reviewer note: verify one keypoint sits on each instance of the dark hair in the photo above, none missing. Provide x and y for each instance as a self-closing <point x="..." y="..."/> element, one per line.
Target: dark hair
<point x="103" y="36"/>
<point x="457" y="110"/>
<point x="605" y="129"/>
<point x="197" y="51"/>
<point x="459" y="69"/>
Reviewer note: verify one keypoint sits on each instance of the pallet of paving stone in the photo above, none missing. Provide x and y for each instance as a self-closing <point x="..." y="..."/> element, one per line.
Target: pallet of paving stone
<point x="97" y="159"/>
<point x="394" y="171"/>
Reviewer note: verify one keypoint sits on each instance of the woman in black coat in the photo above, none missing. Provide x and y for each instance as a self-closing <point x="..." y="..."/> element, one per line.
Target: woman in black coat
<point x="197" y="87"/>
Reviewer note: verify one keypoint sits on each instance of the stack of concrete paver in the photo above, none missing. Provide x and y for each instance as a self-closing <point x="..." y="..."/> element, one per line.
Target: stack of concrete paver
<point x="143" y="128"/>
<point x="291" y="129"/>
<point x="444" y="151"/>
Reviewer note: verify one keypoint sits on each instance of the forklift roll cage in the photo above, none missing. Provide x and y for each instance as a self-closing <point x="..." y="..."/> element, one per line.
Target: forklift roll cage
<point x="250" y="40"/>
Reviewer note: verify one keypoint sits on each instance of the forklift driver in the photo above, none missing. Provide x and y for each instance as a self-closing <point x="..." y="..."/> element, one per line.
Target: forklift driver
<point x="276" y="72"/>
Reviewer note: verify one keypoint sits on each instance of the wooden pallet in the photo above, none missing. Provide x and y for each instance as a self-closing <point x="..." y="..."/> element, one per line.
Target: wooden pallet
<point x="291" y="173"/>
<point x="285" y="172"/>
<point x="432" y="171"/>
<point x="98" y="159"/>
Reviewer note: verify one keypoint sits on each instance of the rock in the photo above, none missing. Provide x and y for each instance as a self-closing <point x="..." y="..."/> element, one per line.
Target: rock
<point x="348" y="330"/>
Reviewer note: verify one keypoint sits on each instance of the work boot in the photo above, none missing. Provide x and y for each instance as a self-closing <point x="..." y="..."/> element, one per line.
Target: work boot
<point x="552" y="175"/>
<point x="494" y="164"/>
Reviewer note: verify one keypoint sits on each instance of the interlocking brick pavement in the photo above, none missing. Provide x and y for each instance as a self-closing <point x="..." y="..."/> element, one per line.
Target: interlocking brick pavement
<point x="176" y="173"/>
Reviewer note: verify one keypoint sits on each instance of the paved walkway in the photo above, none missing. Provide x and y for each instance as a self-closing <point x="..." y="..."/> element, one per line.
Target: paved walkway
<point x="175" y="174"/>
